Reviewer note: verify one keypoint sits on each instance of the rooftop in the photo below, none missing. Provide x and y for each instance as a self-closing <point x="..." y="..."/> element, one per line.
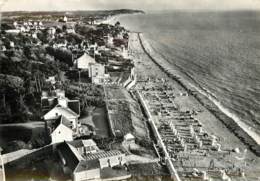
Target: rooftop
<point x="62" y="120"/>
<point x="103" y="154"/>
<point x="66" y="112"/>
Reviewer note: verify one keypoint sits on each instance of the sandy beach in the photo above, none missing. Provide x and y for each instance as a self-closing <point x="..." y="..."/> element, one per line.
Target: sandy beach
<point x="147" y="69"/>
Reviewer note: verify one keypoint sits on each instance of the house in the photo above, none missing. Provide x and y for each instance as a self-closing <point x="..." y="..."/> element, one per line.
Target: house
<point x="15" y="24"/>
<point x="129" y="138"/>
<point x="22" y="29"/>
<point x="61" y="130"/>
<point x="65" y="19"/>
<point x="58" y="111"/>
<point x="110" y="41"/>
<point x="51" y="31"/>
<point x="84" y="62"/>
<point x="74" y="105"/>
<point x="84" y="165"/>
<point x="3" y="48"/>
<point x="97" y="73"/>
<point x="12" y="44"/>
<point x="51" y="99"/>
<point x="70" y="30"/>
<point x="51" y="79"/>
<point x="34" y="35"/>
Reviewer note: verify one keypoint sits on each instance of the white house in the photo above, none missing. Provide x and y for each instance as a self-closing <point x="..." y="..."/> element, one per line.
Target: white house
<point x="51" y="30"/>
<point x="96" y="70"/>
<point x="34" y="35"/>
<point x="22" y="29"/>
<point x="12" y="44"/>
<point x="84" y="62"/>
<point x="97" y="73"/>
<point x="15" y="24"/>
<point x="62" y="131"/>
<point x="70" y="30"/>
<point x="65" y="19"/>
<point x="58" y="111"/>
<point x="110" y="40"/>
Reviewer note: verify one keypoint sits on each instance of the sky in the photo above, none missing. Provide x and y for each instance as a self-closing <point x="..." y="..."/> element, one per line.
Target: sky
<point x="47" y="5"/>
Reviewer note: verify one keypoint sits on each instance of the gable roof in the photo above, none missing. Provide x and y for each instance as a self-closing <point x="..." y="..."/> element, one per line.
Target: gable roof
<point x="74" y="105"/>
<point x="69" y="154"/>
<point x="62" y="120"/>
<point x="58" y="110"/>
<point x="84" y="61"/>
<point x="75" y="152"/>
<point x="129" y="136"/>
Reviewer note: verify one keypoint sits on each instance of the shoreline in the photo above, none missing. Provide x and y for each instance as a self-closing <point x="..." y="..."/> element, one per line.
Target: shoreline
<point x="112" y="19"/>
<point x="237" y="127"/>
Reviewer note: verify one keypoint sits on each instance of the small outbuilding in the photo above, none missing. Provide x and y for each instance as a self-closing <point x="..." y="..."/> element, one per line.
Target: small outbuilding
<point x="129" y="138"/>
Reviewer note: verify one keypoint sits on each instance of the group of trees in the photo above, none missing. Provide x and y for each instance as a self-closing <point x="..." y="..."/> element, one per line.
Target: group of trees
<point x="20" y="102"/>
<point x="88" y="94"/>
<point x="61" y="55"/>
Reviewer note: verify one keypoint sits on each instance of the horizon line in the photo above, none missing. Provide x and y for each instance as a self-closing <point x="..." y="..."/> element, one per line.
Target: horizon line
<point x="151" y="10"/>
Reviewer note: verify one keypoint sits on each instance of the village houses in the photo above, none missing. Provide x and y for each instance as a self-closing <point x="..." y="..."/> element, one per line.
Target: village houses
<point x="61" y="116"/>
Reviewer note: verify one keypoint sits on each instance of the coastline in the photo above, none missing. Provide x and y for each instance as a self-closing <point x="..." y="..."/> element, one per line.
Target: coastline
<point x="240" y="129"/>
<point x="112" y="19"/>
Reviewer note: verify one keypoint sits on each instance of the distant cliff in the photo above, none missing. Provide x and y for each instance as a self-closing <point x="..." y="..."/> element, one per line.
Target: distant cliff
<point x="84" y="13"/>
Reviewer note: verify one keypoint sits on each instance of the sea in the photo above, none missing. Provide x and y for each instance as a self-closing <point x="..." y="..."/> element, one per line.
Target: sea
<point x="218" y="51"/>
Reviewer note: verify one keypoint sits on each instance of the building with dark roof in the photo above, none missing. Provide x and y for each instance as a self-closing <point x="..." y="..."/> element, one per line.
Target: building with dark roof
<point x="85" y="161"/>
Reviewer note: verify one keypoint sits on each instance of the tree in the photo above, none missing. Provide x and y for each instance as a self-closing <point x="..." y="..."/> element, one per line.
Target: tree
<point x="27" y="51"/>
<point x="64" y="28"/>
<point x="58" y="30"/>
<point x="117" y="24"/>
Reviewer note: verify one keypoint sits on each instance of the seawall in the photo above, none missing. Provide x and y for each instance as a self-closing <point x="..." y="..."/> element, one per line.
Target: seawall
<point x="169" y="164"/>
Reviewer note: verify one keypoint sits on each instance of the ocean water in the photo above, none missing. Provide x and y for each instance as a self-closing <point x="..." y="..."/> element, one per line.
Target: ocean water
<point x="218" y="51"/>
